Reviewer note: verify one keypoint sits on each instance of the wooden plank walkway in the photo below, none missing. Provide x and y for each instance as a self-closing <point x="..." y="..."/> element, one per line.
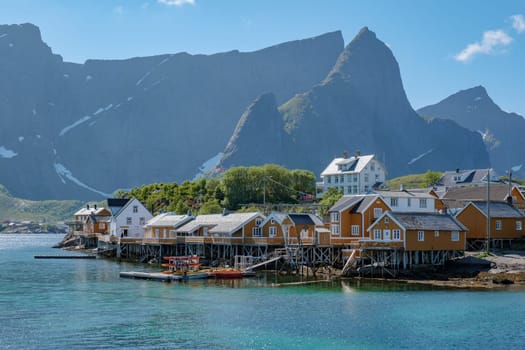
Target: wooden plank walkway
<point x="65" y="256"/>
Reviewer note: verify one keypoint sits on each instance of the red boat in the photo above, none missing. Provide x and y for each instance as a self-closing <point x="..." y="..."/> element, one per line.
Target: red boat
<point x="227" y="273"/>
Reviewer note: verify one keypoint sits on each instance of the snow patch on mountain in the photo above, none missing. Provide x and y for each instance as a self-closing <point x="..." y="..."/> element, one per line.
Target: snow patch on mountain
<point x="75" y="124"/>
<point x="63" y="173"/>
<point x="413" y="160"/>
<point x="208" y="165"/>
<point x="7" y="153"/>
<point x="142" y="79"/>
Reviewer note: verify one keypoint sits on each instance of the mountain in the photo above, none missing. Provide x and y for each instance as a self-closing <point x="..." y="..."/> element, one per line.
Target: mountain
<point x="502" y="132"/>
<point x="50" y="211"/>
<point x="84" y="130"/>
<point x="360" y="105"/>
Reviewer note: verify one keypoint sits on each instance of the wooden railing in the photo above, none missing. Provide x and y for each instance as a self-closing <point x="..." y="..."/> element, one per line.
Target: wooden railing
<point x="368" y="243"/>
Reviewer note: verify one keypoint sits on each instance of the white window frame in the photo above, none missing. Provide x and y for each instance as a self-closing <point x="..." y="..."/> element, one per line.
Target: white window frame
<point x="272" y="231"/>
<point x="423" y="203"/>
<point x="498" y="225"/>
<point x="396" y="234"/>
<point x="420" y="236"/>
<point x="256" y="232"/>
<point x="142" y="221"/>
<point x="205" y="231"/>
<point x="335" y="216"/>
<point x="409" y="202"/>
<point x="377" y="234"/>
<point x="454" y="236"/>
<point x="436" y="233"/>
<point x="519" y="226"/>
<point x="387" y="220"/>
<point x="335" y="230"/>
<point x="258" y="221"/>
<point x="355" y="230"/>
<point x="378" y="212"/>
<point x="129" y="220"/>
<point x="135" y="208"/>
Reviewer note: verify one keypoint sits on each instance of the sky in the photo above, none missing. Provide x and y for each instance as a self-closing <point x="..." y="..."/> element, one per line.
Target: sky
<point x="442" y="46"/>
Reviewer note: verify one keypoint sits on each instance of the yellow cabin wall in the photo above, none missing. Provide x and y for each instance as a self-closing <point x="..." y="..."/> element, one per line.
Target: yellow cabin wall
<point x="476" y="223"/>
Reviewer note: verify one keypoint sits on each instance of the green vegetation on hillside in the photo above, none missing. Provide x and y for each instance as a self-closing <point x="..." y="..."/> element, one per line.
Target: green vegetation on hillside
<point x="415" y="181"/>
<point x="238" y="186"/>
<point x="12" y="208"/>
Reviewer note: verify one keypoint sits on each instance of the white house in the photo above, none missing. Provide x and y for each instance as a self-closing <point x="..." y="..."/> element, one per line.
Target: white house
<point x="129" y="216"/>
<point x="353" y="175"/>
<point x="414" y="201"/>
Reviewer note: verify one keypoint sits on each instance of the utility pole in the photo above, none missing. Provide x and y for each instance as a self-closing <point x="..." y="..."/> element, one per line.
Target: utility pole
<point x="488" y="210"/>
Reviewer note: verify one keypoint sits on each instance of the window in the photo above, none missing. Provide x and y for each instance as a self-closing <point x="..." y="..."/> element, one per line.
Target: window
<point x="436" y="233"/>
<point x="165" y="231"/>
<point x="329" y="179"/>
<point x="355" y="230"/>
<point x="272" y="221"/>
<point x="142" y="221"/>
<point x="366" y="188"/>
<point x="135" y="208"/>
<point x="335" y="230"/>
<point x="366" y="178"/>
<point x="156" y="233"/>
<point x="355" y="177"/>
<point x="258" y="221"/>
<point x="455" y="236"/>
<point x="373" y="166"/>
<point x="518" y="226"/>
<point x="342" y="179"/>
<point x="128" y="221"/>
<point x="421" y="236"/>
<point x="336" y="179"/>
<point x="348" y="189"/>
<point x="354" y="189"/>
<point x="205" y="231"/>
<point x="393" y="202"/>
<point x="335" y="217"/>
<point x="409" y="201"/>
<point x="377" y="234"/>
<point x="498" y="225"/>
<point x="377" y="212"/>
<point x="348" y="178"/>
<point x="387" y="220"/>
<point x="273" y="231"/>
<point x="396" y="235"/>
<point x="422" y="203"/>
<point x="377" y="178"/>
<point x="256" y="232"/>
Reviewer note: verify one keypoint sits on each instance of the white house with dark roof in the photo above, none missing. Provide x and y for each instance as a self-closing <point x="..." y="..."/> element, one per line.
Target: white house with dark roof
<point x="353" y="175"/>
<point x="129" y="216"/>
<point x="461" y="178"/>
<point x="163" y="225"/>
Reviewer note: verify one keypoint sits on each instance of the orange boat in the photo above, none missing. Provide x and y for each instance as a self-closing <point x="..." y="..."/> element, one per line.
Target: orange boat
<point x="227" y="273"/>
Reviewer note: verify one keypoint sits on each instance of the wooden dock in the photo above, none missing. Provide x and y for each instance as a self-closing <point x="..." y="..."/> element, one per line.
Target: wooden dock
<point x="154" y="276"/>
<point x="65" y="256"/>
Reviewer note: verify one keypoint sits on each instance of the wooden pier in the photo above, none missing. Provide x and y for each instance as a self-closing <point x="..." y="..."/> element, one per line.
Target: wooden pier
<point x="65" y="256"/>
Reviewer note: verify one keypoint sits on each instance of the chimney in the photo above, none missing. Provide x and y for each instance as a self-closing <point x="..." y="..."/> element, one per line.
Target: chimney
<point x="358" y="154"/>
<point x="87" y="206"/>
<point x="224" y="212"/>
<point x="345" y="154"/>
<point x="95" y="207"/>
<point x="402" y="187"/>
<point x="457" y="170"/>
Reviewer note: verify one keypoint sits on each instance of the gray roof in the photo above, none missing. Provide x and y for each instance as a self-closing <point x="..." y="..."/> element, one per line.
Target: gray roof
<point x="468" y="177"/>
<point x="305" y="219"/>
<point x="427" y="221"/>
<point x="405" y="193"/>
<point x="220" y="223"/>
<point x="498" y="209"/>
<point x="346" y="202"/>
<point x="168" y="219"/>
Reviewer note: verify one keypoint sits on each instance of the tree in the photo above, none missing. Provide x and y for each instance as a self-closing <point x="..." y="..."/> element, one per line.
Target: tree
<point x="431" y="178"/>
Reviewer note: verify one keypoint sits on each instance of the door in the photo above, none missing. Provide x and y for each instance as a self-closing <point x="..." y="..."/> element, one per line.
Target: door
<point x="386" y="235"/>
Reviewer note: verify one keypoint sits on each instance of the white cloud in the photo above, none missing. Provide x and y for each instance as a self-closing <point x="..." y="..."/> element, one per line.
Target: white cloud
<point x="491" y="42"/>
<point x="518" y="23"/>
<point x="176" y="2"/>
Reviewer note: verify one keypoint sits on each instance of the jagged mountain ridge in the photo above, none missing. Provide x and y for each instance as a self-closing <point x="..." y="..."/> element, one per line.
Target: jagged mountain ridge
<point x="84" y="130"/>
<point x="502" y="132"/>
<point x="360" y="105"/>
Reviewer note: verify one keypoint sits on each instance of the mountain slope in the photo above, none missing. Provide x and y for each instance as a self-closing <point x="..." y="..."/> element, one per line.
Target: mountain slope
<point x="502" y="131"/>
<point x="361" y="105"/>
<point x="84" y="130"/>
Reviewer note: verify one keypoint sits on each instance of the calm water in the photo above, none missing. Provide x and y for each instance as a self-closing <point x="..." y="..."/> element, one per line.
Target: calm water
<point x="83" y="304"/>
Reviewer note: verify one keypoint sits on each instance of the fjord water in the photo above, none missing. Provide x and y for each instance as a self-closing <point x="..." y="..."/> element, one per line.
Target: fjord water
<point x="83" y="304"/>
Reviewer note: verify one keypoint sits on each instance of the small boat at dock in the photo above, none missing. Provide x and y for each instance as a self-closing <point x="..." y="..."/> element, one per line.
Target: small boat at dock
<point x="186" y="266"/>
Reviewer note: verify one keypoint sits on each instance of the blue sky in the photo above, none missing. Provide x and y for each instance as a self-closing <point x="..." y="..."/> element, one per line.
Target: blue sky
<point x="441" y="46"/>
